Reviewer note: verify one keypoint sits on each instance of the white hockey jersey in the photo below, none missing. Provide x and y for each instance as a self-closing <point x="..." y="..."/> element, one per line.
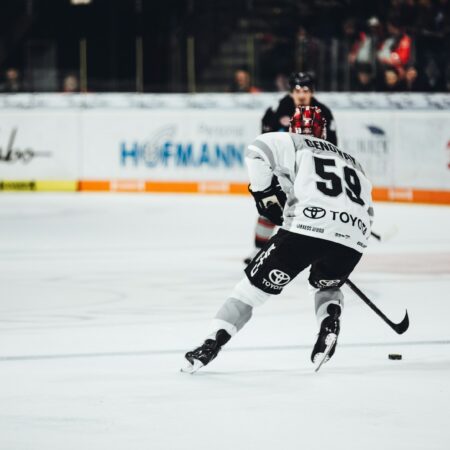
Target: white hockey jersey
<point x="328" y="194"/>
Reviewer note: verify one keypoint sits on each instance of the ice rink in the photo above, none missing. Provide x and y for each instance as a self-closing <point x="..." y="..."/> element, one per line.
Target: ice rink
<point x="102" y="294"/>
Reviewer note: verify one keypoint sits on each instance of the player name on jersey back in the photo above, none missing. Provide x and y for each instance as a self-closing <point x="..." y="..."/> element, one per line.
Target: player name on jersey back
<point x="323" y="146"/>
<point x="333" y="193"/>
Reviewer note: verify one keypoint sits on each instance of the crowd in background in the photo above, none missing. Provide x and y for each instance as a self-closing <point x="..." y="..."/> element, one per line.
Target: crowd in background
<point x="404" y="49"/>
<point x="408" y="52"/>
<point x="381" y="45"/>
<point x="13" y="83"/>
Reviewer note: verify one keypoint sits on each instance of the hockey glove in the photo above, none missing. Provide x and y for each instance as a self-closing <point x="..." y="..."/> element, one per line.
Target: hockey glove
<point x="270" y="202"/>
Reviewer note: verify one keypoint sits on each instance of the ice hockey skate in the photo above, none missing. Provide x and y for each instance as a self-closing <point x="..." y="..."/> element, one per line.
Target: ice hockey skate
<point x="203" y="355"/>
<point x="327" y="339"/>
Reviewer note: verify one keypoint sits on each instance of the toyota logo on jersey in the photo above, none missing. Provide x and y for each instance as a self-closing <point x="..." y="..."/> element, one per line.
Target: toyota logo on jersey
<point x="314" y="212"/>
<point x="278" y="277"/>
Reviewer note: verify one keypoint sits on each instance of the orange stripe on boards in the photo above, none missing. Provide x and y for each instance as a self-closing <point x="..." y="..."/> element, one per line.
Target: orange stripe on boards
<point x="93" y="186"/>
<point x="383" y="194"/>
<point x="434" y="197"/>
<point x="127" y="185"/>
<point x="408" y="195"/>
<point x="171" y="186"/>
<point x="201" y="187"/>
<point x="239" y="188"/>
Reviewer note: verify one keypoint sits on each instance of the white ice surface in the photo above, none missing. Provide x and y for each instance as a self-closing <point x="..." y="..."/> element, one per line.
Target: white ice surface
<point x="101" y="295"/>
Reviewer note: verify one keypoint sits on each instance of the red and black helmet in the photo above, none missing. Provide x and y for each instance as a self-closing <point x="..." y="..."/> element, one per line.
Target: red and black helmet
<point x="309" y="120"/>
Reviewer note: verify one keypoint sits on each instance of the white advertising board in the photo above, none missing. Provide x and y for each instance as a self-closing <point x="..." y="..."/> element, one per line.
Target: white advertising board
<point x="399" y="148"/>
<point x="183" y="145"/>
<point x="422" y="150"/>
<point x="39" y="144"/>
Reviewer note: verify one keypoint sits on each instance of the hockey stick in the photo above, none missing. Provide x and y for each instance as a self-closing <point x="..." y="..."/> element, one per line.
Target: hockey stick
<point x="399" y="328"/>
<point x="375" y="235"/>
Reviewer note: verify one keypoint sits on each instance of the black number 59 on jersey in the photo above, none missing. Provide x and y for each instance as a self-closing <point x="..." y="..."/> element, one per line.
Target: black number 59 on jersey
<point x="332" y="186"/>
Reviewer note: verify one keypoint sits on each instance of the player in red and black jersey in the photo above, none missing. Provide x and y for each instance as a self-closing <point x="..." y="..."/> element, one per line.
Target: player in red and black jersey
<point x="301" y="94"/>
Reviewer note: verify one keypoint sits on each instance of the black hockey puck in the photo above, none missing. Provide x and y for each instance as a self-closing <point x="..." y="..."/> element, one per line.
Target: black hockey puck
<point x="395" y="356"/>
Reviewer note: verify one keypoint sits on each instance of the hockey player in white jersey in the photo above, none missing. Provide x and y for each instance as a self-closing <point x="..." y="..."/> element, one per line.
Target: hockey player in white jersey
<point x="321" y="198"/>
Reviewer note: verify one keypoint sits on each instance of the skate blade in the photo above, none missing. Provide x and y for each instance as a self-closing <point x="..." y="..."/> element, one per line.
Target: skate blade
<point x="322" y="358"/>
<point x="192" y="368"/>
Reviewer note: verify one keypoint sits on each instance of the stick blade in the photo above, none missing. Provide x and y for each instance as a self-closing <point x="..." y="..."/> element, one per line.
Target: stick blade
<point x="401" y="327"/>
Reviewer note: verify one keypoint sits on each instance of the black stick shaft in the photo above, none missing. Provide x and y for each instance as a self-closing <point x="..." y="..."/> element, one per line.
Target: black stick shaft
<point x="397" y="327"/>
<point x="375" y="235"/>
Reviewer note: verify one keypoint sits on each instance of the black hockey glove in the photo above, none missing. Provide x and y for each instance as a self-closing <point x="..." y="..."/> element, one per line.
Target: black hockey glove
<point x="270" y="202"/>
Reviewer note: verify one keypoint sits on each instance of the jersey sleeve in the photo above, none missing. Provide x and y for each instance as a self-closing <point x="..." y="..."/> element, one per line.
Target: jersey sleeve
<point x="260" y="163"/>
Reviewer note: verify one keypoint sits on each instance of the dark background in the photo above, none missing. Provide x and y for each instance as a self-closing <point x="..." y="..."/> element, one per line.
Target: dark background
<point x="41" y="38"/>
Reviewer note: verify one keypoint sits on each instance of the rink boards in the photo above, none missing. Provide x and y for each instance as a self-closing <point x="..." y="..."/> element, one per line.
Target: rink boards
<point x="181" y="146"/>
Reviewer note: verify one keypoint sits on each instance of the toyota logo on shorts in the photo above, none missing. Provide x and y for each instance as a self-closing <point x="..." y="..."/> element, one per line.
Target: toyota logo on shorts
<point x="314" y="212"/>
<point x="278" y="277"/>
<point x="329" y="283"/>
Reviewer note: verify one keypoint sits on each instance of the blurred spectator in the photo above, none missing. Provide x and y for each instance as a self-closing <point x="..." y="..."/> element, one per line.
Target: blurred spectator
<point x="375" y="28"/>
<point x="396" y="48"/>
<point x="70" y="84"/>
<point x="391" y="80"/>
<point x="365" y="80"/>
<point x="281" y="83"/>
<point x="362" y="47"/>
<point x="358" y="43"/>
<point x="12" y="81"/>
<point x="376" y="34"/>
<point x="362" y="43"/>
<point x="242" y="82"/>
<point x="413" y="81"/>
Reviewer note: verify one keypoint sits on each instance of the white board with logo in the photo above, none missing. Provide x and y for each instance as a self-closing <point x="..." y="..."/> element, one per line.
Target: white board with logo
<point x="40" y="144"/>
<point x="167" y="145"/>
<point x="399" y="148"/>
<point x="107" y="137"/>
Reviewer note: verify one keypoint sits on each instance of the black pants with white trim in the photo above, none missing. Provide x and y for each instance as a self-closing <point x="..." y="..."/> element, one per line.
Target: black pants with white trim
<point x="287" y="254"/>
